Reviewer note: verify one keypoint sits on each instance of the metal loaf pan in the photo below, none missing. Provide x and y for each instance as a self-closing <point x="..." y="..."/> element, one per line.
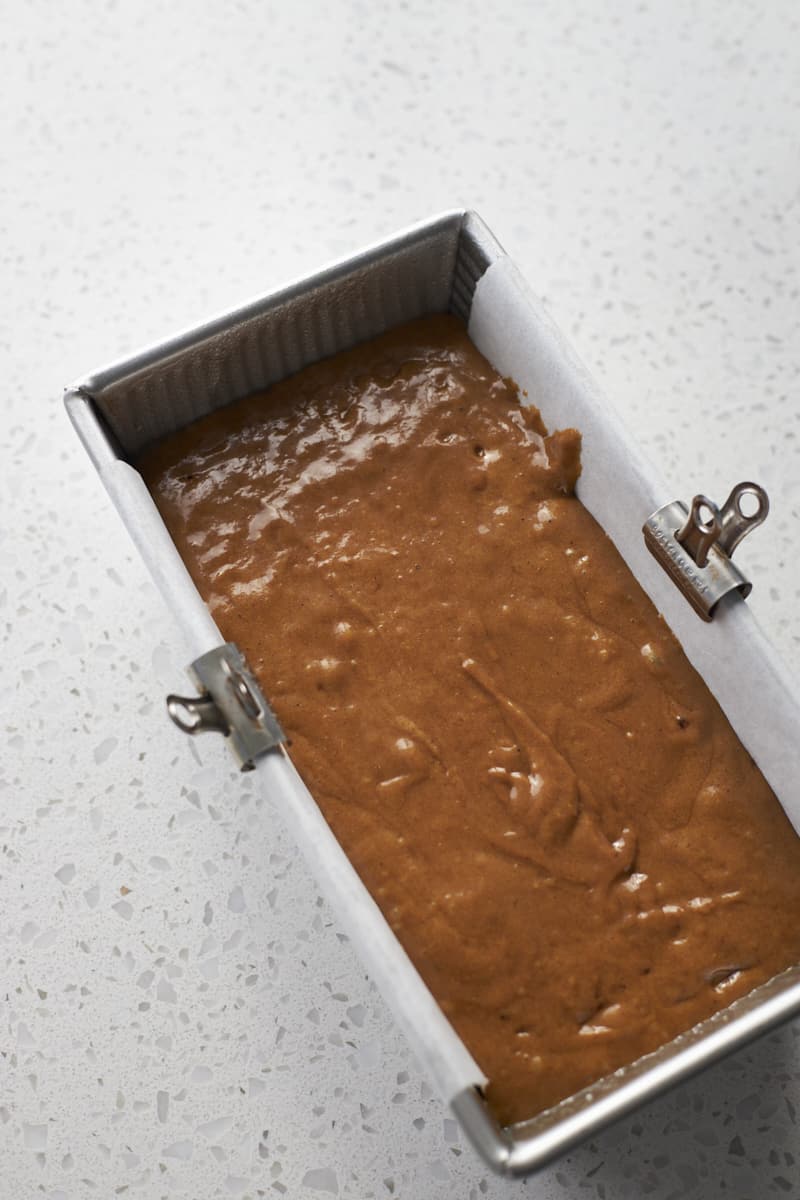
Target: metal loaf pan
<point x="432" y="267"/>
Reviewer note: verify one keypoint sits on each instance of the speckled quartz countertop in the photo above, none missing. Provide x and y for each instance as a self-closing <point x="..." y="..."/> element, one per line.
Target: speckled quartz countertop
<point x="180" y="1015"/>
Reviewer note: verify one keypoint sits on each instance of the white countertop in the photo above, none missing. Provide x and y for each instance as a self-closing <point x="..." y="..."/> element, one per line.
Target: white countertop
<point x="180" y="1017"/>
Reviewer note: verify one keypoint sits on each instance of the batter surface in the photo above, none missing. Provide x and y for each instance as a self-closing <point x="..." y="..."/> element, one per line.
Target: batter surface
<point x="539" y="791"/>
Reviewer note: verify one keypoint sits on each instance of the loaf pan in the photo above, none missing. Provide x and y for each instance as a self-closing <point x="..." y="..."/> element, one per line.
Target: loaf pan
<point x="450" y="263"/>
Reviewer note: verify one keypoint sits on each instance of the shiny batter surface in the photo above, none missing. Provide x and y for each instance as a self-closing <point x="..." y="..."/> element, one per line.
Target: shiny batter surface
<point x="540" y="792"/>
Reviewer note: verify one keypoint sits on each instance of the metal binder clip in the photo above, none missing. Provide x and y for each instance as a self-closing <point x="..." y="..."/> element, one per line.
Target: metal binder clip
<point x="230" y="702"/>
<point x="694" y="546"/>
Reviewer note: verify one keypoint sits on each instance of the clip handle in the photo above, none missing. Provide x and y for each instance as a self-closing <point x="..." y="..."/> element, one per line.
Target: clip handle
<point x="196" y="714"/>
<point x="697" y="535"/>
<point x="735" y="523"/>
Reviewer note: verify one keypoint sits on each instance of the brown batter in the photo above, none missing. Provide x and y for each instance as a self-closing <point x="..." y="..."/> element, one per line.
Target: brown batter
<point x="543" y="797"/>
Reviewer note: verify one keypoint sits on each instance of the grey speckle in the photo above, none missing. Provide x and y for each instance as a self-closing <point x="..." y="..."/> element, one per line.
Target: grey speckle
<point x="105" y="749"/>
<point x="321" y="1179"/>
